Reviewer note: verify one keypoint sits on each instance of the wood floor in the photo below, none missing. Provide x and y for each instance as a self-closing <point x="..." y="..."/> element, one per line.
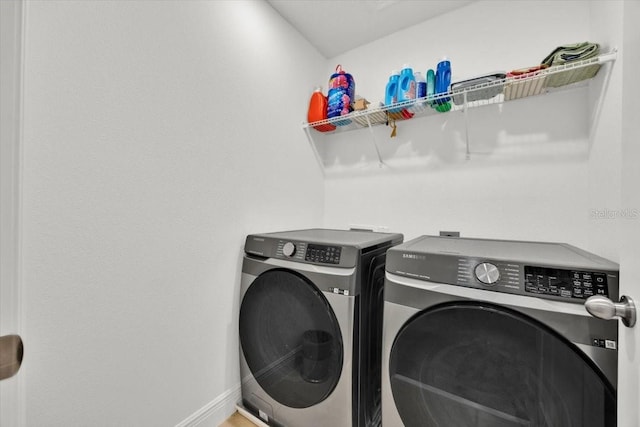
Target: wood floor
<point x="237" y="420"/>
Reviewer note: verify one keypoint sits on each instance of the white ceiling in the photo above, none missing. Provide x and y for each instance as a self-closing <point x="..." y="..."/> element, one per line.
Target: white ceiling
<point x="337" y="26"/>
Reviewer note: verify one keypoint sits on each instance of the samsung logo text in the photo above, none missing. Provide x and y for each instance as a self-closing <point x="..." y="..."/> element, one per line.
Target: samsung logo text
<point x="413" y="256"/>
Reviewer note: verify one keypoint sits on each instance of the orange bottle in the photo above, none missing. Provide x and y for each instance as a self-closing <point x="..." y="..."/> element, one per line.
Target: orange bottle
<point x="318" y="111"/>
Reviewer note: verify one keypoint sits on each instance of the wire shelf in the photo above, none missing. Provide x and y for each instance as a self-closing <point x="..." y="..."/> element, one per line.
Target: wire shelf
<point x="496" y="92"/>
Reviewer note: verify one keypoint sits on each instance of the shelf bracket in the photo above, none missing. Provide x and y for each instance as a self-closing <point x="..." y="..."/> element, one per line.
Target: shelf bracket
<point x="466" y="125"/>
<point x="607" y="64"/>
<point x="375" y="143"/>
<point x="307" y="130"/>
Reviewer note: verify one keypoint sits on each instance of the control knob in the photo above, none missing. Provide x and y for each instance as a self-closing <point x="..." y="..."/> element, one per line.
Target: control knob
<point x="289" y="249"/>
<point x="487" y="273"/>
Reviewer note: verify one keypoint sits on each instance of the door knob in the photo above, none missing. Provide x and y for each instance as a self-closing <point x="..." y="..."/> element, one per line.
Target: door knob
<point x="11" y="351"/>
<point x="603" y="308"/>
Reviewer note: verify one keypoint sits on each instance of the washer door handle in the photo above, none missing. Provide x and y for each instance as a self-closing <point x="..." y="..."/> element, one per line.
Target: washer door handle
<point x="603" y="308"/>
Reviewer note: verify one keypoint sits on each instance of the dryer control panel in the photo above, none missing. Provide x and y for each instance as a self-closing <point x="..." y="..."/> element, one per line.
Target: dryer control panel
<point x="565" y="283"/>
<point x="555" y="282"/>
<point x="545" y="270"/>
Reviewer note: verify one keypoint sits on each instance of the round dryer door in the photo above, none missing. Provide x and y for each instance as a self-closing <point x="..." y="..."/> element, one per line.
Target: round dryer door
<point x="290" y="338"/>
<point x="482" y="365"/>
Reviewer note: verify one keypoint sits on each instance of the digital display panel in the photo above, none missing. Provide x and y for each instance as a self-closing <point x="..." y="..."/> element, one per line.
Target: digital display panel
<point x="323" y="254"/>
<point x="565" y="283"/>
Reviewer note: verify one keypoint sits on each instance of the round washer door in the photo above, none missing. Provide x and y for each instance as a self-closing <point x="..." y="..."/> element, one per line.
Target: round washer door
<point x="290" y="338"/>
<point x="482" y="365"/>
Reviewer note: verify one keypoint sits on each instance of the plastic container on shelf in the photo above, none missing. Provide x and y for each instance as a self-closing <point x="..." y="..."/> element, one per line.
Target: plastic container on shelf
<point x="421" y="85"/>
<point x="342" y="91"/>
<point x="478" y="88"/>
<point x="431" y="86"/>
<point x="443" y="81"/>
<point x="318" y="111"/>
<point x="406" y="84"/>
<point x="391" y="91"/>
<point x="520" y="83"/>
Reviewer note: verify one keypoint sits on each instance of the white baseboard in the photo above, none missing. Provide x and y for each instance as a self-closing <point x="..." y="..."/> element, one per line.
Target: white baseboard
<point x="216" y="411"/>
<point x="248" y="415"/>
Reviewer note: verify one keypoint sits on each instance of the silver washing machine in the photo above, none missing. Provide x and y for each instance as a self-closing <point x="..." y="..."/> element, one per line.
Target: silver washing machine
<point x="494" y="333"/>
<point x="311" y="326"/>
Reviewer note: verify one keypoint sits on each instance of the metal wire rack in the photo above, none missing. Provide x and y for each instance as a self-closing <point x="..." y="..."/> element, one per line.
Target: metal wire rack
<point x="496" y="92"/>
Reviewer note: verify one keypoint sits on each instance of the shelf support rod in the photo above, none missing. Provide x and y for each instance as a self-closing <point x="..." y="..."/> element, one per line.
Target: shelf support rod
<point x="466" y="125"/>
<point x="307" y="130"/>
<point x="375" y="144"/>
<point x="607" y="64"/>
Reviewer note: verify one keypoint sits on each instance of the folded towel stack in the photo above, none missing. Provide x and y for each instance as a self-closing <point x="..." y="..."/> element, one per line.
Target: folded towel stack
<point x="566" y="54"/>
<point x="571" y="52"/>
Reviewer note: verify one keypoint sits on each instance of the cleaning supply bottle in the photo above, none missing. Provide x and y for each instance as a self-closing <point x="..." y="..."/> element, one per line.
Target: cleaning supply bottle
<point x="406" y="84"/>
<point x="443" y="81"/>
<point x="431" y="87"/>
<point x="391" y="92"/>
<point x="342" y="91"/>
<point x="421" y="85"/>
<point x="318" y="111"/>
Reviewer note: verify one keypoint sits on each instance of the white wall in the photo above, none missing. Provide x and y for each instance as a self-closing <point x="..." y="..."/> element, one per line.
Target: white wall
<point x="528" y="173"/>
<point x="156" y="136"/>
<point x="629" y="235"/>
<point x="10" y="78"/>
<point x="605" y="155"/>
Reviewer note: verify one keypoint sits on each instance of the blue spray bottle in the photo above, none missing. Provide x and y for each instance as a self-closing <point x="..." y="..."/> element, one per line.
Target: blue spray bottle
<point x="443" y="81"/>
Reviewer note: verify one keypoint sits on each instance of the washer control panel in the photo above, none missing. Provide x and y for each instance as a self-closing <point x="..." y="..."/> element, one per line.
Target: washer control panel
<point x="323" y="254"/>
<point x="565" y="283"/>
<point x="326" y="248"/>
<point x="309" y="252"/>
